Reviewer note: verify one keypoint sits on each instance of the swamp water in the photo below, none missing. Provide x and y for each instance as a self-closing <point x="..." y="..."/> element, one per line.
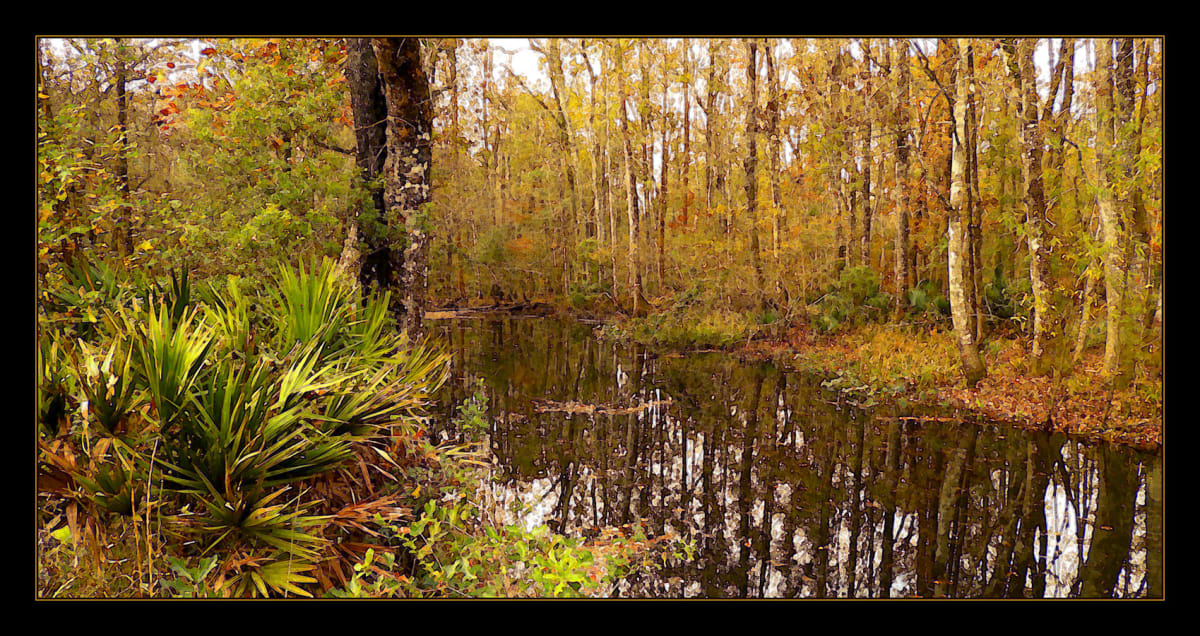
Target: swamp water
<point x="785" y="492"/>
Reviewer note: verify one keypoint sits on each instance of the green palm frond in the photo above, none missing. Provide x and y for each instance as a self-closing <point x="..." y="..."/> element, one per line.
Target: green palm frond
<point x="229" y="314"/>
<point x="313" y="307"/>
<point x="54" y="383"/>
<point x="281" y="574"/>
<point x="170" y="356"/>
<point x="110" y="390"/>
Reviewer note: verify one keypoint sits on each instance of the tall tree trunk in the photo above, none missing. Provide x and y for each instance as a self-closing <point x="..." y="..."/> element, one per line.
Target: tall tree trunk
<point x="750" y="163"/>
<point x="957" y="249"/>
<point x="841" y="164"/>
<point x="407" y="167"/>
<point x="637" y="301"/>
<point x="975" y="228"/>
<point x="455" y="144"/>
<point x="710" y="114"/>
<point x="864" y="240"/>
<point x="1141" y="220"/>
<point x="120" y="78"/>
<point x="686" y="160"/>
<point x="608" y="204"/>
<point x="553" y="55"/>
<point x="903" y="272"/>
<point x="1035" y="204"/>
<point x="491" y="160"/>
<point x="368" y="108"/>
<point x="645" y="141"/>
<point x="592" y="229"/>
<point x="664" y="184"/>
<point x="774" y="96"/>
<point x="1085" y="318"/>
<point x="1113" y="223"/>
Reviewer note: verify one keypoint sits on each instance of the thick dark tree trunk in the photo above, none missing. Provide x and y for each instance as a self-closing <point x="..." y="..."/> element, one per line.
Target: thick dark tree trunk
<point x="407" y="167"/>
<point x="369" y="108"/>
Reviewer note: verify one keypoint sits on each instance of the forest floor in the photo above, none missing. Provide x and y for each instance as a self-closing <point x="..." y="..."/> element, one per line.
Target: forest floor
<point x="888" y="364"/>
<point x="917" y="370"/>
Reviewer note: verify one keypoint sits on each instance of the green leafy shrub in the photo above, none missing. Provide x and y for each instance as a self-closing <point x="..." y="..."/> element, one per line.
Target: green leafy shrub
<point x="854" y="299"/>
<point x="999" y="297"/>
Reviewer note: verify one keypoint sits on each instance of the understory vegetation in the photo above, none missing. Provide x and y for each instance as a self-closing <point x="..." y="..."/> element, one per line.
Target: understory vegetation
<point x="232" y="440"/>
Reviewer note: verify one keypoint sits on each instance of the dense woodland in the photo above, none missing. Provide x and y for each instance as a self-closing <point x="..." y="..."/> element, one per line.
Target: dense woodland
<point x="750" y="175"/>
<point x="1000" y="199"/>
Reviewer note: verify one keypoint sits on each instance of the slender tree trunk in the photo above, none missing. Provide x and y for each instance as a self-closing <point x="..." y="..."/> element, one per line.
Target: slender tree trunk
<point x="553" y="55"/>
<point x="773" y="146"/>
<point x="976" y="224"/>
<point x="637" y="301"/>
<point x="122" y="164"/>
<point x="407" y="167"/>
<point x="664" y="186"/>
<point x="1035" y="205"/>
<point x="1154" y="275"/>
<point x="710" y="115"/>
<point x="1085" y="318"/>
<point x="491" y="161"/>
<point x="842" y="167"/>
<point x="750" y="163"/>
<point x="609" y="205"/>
<point x="455" y="145"/>
<point x="686" y="160"/>
<point x="864" y="241"/>
<point x="592" y="229"/>
<point x="1112" y="214"/>
<point x="957" y="249"/>
<point x="902" y="272"/>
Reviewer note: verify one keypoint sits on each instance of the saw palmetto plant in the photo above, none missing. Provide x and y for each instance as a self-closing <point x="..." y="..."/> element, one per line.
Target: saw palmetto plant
<point x="54" y="382"/>
<point x="109" y="385"/>
<point x="230" y="314"/>
<point x="247" y="428"/>
<point x="170" y="354"/>
<point x="313" y="305"/>
<point x="232" y="421"/>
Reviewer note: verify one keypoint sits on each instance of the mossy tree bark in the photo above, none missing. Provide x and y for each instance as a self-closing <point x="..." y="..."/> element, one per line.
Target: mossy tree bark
<point x="368" y="107"/>
<point x="407" y="167"/>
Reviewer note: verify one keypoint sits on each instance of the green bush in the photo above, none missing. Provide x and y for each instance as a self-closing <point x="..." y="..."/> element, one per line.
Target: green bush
<point x="179" y="393"/>
<point x="855" y="298"/>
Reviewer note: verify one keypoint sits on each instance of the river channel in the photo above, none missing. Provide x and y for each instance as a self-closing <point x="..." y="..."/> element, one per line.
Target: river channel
<point x="787" y="491"/>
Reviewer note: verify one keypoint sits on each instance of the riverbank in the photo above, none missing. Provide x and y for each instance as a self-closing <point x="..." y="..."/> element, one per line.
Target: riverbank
<point x="888" y="364"/>
<point x="917" y="369"/>
<point x="906" y="368"/>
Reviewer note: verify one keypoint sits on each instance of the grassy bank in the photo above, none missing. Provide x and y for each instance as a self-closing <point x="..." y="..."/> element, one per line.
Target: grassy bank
<point x="917" y="365"/>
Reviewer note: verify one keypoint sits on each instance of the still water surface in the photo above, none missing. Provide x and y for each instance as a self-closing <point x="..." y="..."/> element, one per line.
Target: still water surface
<point x="786" y="492"/>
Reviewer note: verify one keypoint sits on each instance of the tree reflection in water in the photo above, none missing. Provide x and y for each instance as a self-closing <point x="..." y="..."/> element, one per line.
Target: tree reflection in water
<point x="788" y="494"/>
